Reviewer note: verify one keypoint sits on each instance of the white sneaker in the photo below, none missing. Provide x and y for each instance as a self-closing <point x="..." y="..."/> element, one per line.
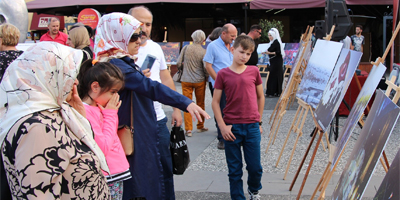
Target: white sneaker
<point x="254" y="195"/>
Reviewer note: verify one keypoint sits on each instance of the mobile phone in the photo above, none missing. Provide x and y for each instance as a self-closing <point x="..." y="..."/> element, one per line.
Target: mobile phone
<point x="148" y="62"/>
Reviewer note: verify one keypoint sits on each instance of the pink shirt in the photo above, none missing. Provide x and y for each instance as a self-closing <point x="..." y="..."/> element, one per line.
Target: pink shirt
<point x="105" y="124"/>
<point x="241" y="96"/>
<point x="60" y="38"/>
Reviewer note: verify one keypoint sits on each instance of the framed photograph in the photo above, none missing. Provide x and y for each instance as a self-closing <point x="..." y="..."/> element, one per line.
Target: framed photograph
<point x="204" y="44"/>
<point x="368" y="148"/>
<point x="263" y="58"/>
<point x="337" y="87"/>
<point x="291" y="50"/>
<point x="171" y="51"/>
<point x="363" y="98"/>
<point x="389" y="188"/>
<point x="319" y="69"/>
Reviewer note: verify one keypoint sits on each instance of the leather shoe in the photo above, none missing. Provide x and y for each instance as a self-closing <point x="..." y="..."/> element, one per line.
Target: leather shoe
<point x="221" y="145"/>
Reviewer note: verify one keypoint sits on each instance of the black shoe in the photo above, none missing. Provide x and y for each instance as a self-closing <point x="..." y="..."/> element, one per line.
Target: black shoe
<point x="221" y="145"/>
<point x="269" y="96"/>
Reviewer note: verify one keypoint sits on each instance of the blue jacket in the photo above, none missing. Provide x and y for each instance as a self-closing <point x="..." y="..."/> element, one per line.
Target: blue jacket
<point x="145" y="165"/>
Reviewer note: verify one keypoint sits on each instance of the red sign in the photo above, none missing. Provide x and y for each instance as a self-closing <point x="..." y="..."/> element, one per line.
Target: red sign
<point x="89" y="16"/>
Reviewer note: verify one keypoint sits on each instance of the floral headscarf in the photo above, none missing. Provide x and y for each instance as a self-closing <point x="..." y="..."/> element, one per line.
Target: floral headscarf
<point x="41" y="79"/>
<point x="275" y="35"/>
<point x="113" y="34"/>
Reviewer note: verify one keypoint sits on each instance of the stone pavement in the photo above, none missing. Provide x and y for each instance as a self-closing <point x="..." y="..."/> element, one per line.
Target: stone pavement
<point x="206" y="176"/>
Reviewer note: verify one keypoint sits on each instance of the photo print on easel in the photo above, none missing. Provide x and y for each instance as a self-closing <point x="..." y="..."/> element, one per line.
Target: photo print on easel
<point x="337" y="87"/>
<point x="389" y="188"/>
<point x="368" y="148"/>
<point x="291" y="50"/>
<point x="171" y="51"/>
<point x="306" y="57"/>
<point x="204" y="44"/>
<point x="319" y="69"/>
<point x="363" y="98"/>
<point x="263" y="58"/>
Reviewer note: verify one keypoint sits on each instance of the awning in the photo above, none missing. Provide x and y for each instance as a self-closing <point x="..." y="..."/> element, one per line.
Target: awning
<point x="38" y="4"/>
<point x="39" y="21"/>
<point x="296" y="4"/>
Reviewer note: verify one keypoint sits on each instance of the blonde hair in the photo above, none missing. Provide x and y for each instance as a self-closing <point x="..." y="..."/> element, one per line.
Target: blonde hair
<point x="9" y="34"/>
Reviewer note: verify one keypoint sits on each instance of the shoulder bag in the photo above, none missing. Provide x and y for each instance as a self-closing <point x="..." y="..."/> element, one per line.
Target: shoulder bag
<point x="178" y="75"/>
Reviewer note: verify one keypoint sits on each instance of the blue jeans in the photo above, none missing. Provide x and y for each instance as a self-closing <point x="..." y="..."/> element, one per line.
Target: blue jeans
<point x="222" y="104"/>
<point x="248" y="136"/>
<point x="166" y="159"/>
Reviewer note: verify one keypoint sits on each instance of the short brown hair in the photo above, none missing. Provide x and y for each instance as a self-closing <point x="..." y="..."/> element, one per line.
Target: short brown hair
<point x="9" y="34"/>
<point x="245" y="41"/>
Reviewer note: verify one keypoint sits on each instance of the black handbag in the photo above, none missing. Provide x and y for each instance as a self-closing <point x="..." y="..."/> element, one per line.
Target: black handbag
<point x="179" y="151"/>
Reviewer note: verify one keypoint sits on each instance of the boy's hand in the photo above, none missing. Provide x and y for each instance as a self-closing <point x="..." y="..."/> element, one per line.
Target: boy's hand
<point x="227" y="133"/>
<point x="261" y="130"/>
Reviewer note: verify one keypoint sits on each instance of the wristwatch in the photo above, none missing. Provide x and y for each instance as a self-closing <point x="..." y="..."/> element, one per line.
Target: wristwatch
<point x="260" y="123"/>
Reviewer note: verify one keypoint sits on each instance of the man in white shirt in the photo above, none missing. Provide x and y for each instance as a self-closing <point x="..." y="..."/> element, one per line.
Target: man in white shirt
<point x="160" y="73"/>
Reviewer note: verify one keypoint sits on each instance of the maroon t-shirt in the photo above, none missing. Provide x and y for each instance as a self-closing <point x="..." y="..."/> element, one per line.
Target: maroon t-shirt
<point x="241" y="94"/>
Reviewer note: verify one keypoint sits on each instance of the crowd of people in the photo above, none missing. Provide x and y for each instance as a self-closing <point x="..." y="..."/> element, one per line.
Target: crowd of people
<point x="61" y="108"/>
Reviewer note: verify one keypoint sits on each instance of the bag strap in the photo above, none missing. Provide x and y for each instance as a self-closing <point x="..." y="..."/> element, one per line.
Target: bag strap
<point x="132" y="112"/>
<point x="87" y="54"/>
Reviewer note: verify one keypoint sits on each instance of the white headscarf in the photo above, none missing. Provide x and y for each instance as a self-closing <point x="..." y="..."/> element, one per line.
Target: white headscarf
<point x="41" y="79"/>
<point x="275" y="35"/>
<point x="113" y="34"/>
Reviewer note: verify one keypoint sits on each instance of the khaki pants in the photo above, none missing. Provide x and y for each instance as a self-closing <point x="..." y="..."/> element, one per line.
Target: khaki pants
<point x="200" y="92"/>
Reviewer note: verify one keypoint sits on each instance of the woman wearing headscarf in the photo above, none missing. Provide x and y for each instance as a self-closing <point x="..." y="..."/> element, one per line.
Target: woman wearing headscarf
<point x="78" y="38"/>
<point x="276" y="54"/>
<point x="117" y="41"/>
<point x="47" y="144"/>
<point x="194" y="76"/>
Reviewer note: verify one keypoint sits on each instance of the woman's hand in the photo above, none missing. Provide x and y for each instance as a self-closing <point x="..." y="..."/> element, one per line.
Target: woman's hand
<point x="76" y="102"/>
<point x="196" y="112"/>
<point x="147" y="72"/>
<point x="114" y="103"/>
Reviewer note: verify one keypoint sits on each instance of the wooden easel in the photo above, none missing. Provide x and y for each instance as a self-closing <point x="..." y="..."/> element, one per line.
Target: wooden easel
<point x="305" y="38"/>
<point x="296" y="125"/>
<point x="283" y="100"/>
<point x="326" y="177"/>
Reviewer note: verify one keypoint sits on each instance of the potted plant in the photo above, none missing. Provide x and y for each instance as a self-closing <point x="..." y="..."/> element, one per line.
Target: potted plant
<point x="266" y="26"/>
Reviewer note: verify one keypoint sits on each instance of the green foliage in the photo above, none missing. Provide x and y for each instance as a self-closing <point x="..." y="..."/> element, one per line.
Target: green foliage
<point x="266" y="26"/>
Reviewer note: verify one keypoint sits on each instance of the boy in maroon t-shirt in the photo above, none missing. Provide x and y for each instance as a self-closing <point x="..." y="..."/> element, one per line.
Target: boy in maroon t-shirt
<point x="241" y="125"/>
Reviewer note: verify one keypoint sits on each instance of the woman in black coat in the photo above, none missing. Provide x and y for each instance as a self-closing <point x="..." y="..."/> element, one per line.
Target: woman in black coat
<point x="276" y="54"/>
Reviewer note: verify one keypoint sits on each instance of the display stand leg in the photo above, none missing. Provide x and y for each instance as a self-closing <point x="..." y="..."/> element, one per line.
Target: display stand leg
<point x="321" y="181"/>
<point x="309" y="165"/>
<point x="304" y="159"/>
<point x="385" y="158"/>
<point x="291" y="156"/>
<point x="287" y="137"/>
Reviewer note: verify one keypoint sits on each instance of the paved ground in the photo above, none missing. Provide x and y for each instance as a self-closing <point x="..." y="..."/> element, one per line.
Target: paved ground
<point x="206" y="177"/>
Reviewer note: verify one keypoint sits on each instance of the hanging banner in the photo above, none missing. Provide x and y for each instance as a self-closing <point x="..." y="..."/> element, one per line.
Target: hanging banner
<point x="89" y="16"/>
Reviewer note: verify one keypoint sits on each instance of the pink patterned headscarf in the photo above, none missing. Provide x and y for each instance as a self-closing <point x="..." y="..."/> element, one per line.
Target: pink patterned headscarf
<point x="41" y="79"/>
<point x="113" y="34"/>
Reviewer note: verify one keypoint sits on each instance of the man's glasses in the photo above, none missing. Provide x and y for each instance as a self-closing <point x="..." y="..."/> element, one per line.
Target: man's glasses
<point x="259" y="32"/>
<point x="136" y="36"/>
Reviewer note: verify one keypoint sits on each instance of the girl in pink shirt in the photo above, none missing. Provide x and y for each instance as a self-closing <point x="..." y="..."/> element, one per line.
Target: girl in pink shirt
<point x="99" y="83"/>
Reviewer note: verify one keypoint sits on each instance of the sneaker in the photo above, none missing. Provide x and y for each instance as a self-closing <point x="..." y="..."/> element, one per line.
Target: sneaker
<point x="189" y="133"/>
<point x="221" y="145"/>
<point x="254" y="195"/>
